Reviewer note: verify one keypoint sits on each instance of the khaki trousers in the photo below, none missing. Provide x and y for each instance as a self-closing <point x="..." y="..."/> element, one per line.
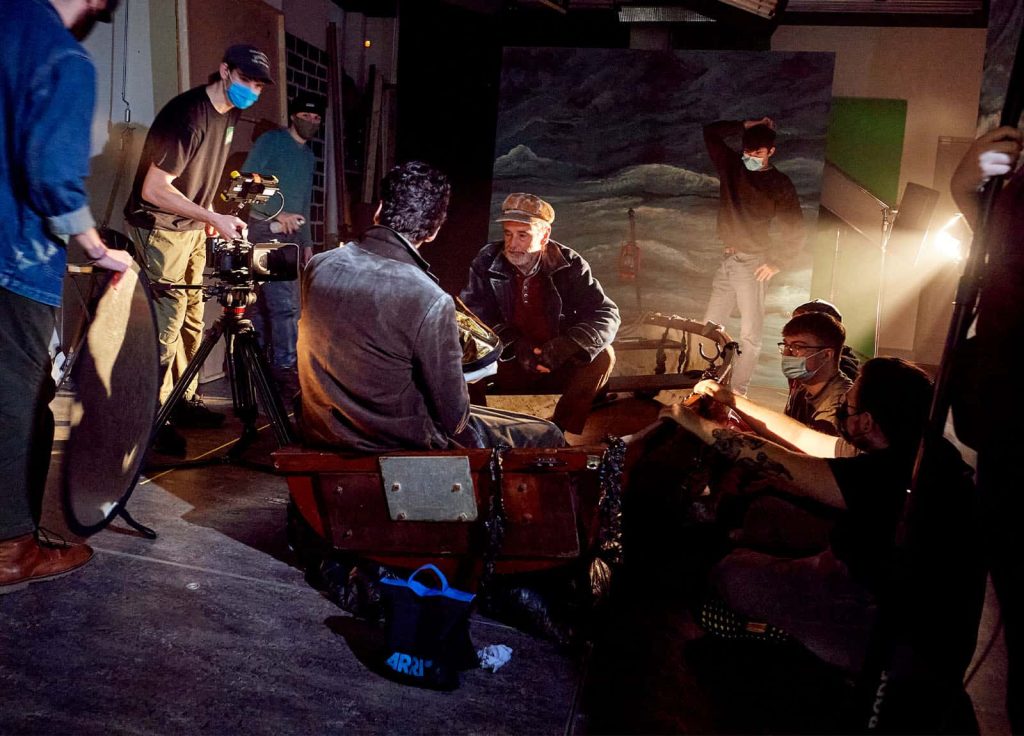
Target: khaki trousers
<point x="176" y="258"/>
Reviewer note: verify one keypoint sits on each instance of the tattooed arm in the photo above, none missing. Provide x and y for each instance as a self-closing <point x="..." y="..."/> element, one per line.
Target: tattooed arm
<point x="799" y="474"/>
<point x="774" y="425"/>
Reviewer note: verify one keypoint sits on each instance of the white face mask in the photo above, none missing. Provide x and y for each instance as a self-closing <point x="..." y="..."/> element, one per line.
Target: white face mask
<point x="752" y="163"/>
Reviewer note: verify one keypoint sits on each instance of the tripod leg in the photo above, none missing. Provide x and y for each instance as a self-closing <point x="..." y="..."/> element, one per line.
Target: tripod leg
<point x="259" y="373"/>
<point x="243" y="397"/>
<point x="211" y="338"/>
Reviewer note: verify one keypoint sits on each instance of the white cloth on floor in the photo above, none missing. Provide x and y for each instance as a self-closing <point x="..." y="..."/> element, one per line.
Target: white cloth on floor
<point x="494" y="656"/>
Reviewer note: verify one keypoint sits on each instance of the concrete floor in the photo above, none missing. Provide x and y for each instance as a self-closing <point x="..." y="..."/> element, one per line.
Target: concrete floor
<point x="212" y="629"/>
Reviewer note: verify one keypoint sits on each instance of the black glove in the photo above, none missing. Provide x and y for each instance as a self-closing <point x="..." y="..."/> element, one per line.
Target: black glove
<point x="527" y="359"/>
<point x="558" y="350"/>
<point x="509" y="337"/>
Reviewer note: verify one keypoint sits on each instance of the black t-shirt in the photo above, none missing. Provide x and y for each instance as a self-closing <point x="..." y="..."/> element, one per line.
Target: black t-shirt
<point x="190" y="140"/>
<point x="935" y="585"/>
<point x="874" y="486"/>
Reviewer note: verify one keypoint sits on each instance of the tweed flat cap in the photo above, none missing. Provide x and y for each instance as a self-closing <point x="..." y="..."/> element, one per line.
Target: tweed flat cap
<point x="528" y="208"/>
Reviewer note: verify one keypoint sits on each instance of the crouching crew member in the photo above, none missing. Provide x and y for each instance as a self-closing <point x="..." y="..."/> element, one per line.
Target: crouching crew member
<point x="829" y="601"/>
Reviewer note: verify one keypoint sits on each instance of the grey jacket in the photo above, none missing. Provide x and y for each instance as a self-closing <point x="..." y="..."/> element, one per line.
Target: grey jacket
<point x="380" y="364"/>
<point x="581" y="310"/>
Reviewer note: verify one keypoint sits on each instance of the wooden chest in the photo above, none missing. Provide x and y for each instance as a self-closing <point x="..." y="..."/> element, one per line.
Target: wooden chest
<point x="408" y="508"/>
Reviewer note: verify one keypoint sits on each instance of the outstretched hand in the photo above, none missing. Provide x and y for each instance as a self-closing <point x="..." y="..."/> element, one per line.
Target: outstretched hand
<point x="228" y="226"/>
<point x="993" y="154"/>
<point x="290" y="222"/>
<point x="682" y="415"/>
<point x="763" y="121"/>
<point x="556" y="351"/>
<point x="101" y="256"/>
<point x="717" y="392"/>
<point x="528" y="357"/>
<point x="765" y="271"/>
<point x="115" y="260"/>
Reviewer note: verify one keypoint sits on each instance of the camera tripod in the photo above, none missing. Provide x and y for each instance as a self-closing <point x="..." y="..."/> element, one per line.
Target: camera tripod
<point x="248" y="374"/>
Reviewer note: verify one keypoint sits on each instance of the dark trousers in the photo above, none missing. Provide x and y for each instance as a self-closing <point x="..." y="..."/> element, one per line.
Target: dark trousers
<point x="999" y="481"/>
<point x="578" y="384"/>
<point x="26" y="423"/>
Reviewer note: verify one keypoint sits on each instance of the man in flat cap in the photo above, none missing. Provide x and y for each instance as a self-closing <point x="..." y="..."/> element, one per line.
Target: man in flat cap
<point x="284" y="153"/>
<point x="170" y="208"/>
<point x="380" y="359"/>
<point x="543" y="301"/>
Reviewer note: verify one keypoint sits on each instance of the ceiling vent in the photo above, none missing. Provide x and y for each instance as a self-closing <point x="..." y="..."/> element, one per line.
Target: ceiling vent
<point x="661" y="14"/>
<point x="888" y="7"/>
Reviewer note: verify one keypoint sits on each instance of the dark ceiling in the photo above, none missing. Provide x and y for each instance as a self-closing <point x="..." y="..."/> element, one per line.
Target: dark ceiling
<point x="956" y="13"/>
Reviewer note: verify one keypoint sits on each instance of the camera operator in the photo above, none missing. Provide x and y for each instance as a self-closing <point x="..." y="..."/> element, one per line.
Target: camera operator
<point x="43" y="207"/>
<point x="283" y="153"/>
<point x="169" y="207"/>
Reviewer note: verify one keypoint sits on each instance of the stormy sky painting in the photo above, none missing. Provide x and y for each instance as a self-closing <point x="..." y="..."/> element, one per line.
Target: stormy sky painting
<point x="596" y="132"/>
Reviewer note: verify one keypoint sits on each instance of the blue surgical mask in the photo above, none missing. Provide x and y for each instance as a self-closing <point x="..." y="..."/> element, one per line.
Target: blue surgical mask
<point x="753" y="164"/>
<point x="241" y="96"/>
<point x="795" y="368"/>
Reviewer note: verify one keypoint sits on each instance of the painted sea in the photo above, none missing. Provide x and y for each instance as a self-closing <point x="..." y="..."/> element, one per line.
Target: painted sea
<point x="597" y="132"/>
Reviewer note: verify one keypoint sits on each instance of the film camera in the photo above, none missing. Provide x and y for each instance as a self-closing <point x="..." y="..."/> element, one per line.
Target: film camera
<point x="238" y="265"/>
<point x="238" y="261"/>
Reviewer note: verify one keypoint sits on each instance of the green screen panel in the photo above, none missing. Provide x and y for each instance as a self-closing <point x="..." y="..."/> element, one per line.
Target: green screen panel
<point x="865" y="141"/>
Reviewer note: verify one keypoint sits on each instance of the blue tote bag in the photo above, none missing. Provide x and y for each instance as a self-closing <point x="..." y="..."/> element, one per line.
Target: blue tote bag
<point x="427" y="630"/>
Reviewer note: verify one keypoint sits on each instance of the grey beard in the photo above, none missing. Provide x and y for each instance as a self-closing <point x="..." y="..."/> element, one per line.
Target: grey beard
<point x="525" y="263"/>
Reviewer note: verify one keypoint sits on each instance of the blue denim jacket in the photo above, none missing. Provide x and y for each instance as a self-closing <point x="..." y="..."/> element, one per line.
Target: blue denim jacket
<point x="47" y="93"/>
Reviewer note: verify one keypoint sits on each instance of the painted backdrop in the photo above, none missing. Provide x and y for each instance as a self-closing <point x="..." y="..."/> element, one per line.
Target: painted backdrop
<point x="599" y="131"/>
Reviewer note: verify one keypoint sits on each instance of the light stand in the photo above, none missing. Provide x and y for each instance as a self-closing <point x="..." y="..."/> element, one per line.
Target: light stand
<point x="908" y="224"/>
<point x="888" y="217"/>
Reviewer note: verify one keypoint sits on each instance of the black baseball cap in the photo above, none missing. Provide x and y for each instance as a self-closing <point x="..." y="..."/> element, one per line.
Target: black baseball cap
<point x="249" y="60"/>
<point x="307" y="102"/>
<point x="819" y="305"/>
<point x="106" y="15"/>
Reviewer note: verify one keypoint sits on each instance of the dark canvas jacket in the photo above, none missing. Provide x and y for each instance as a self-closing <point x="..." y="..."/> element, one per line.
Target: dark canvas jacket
<point x="580" y="309"/>
<point x="380" y="364"/>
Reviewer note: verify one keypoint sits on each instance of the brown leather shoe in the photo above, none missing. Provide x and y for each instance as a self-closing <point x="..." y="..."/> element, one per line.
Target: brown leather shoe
<point x="23" y="560"/>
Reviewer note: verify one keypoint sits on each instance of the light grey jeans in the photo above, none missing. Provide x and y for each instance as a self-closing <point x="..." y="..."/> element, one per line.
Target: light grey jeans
<point x="489" y="427"/>
<point x="734" y="285"/>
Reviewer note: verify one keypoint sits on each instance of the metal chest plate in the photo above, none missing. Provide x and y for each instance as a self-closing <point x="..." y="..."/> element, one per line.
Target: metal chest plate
<point x="428" y="488"/>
